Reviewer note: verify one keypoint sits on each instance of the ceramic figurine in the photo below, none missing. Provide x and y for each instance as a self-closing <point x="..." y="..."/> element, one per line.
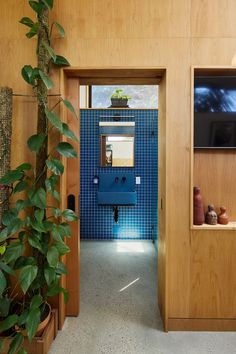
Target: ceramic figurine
<point x="223" y="216"/>
<point x="211" y="216"/>
<point x="198" y="209"/>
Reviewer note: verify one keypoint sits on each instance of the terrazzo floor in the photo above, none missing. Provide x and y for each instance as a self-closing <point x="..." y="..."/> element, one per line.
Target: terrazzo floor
<point x="119" y="313"/>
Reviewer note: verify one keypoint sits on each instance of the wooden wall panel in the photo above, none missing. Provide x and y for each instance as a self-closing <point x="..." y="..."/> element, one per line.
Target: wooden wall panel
<point x="213" y="18"/>
<point x="72" y="172"/>
<point x="213" y="51"/>
<point x="171" y="34"/>
<point x="162" y="234"/>
<point x="213" y="281"/>
<point x="214" y="172"/>
<point x="94" y="19"/>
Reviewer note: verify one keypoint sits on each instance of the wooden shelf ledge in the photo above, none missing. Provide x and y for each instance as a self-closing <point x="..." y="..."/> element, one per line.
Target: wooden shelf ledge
<point x="230" y="226"/>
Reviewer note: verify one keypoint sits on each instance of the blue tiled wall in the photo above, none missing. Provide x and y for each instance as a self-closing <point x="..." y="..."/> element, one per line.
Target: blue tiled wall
<point x="136" y="222"/>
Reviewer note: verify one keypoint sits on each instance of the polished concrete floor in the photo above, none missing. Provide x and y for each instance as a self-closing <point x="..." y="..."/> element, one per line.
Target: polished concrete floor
<point x="119" y="313"/>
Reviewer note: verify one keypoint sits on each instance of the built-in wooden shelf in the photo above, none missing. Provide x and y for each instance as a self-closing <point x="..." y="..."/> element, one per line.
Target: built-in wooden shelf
<point x="230" y="226"/>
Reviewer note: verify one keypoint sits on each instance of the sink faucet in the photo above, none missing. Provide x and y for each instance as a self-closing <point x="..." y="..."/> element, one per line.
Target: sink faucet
<point x="123" y="179"/>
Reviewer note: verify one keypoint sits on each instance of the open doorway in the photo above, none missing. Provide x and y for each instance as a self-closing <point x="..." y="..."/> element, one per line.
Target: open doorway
<point x="73" y="79"/>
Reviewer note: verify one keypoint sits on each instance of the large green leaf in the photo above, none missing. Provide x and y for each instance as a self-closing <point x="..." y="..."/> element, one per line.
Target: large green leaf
<point x="48" y="225"/>
<point x="65" y="229"/>
<point x="24" y="261"/>
<point x="50" y="51"/>
<point x="61" y="61"/>
<point x="9" y="216"/>
<point x="55" y="166"/>
<point x="33" y="31"/>
<point x="6" y="268"/>
<point x="21" y="186"/>
<point x="23" y="316"/>
<point x="56" y="212"/>
<point x="24" y="167"/>
<point x="53" y="257"/>
<point x="51" y="182"/>
<point x="16" y="343"/>
<point x="59" y="28"/>
<point x="3" y="249"/>
<point x="69" y="215"/>
<point x="15" y="226"/>
<point x="36" y="301"/>
<point x="27" y="74"/>
<point x="27" y="22"/>
<point x="36" y="141"/>
<point x="69" y="133"/>
<point x="32" y="323"/>
<point x="54" y="119"/>
<point x="20" y="205"/>
<point x="36" y="6"/>
<point x="38" y="198"/>
<point x="5" y="304"/>
<point x="14" y="251"/>
<point x="9" y="322"/>
<point x="48" y="3"/>
<point x="66" y="149"/>
<point x="54" y="290"/>
<point x="62" y="248"/>
<point x="69" y="106"/>
<point x="27" y="276"/>
<point x="46" y="80"/>
<point x="57" y="233"/>
<point x="61" y="269"/>
<point x="50" y="275"/>
<point x="3" y="235"/>
<point x="3" y="282"/>
<point x="11" y="177"/>
<point x="56" y="195"/>
<point x="39" y="215"/>
<point x="35" y="243"/>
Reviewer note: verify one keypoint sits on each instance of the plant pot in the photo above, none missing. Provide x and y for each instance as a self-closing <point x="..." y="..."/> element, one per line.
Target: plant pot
<point x="45" y="321"/>
<point x="40" y="344"/>
<point x="116" y="102"/>
<point x="43" y="324"/>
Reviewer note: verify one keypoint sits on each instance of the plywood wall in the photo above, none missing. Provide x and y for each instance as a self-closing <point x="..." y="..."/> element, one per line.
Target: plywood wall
<point x="172" y="34"/>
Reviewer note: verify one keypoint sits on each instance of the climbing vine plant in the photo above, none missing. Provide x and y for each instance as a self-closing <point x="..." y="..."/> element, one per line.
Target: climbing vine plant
<point x="41" y="229"/>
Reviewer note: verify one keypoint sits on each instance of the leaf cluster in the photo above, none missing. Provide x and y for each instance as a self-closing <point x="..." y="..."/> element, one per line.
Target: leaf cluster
<point x="119" y="96"/>
<point x="33" y="233"/>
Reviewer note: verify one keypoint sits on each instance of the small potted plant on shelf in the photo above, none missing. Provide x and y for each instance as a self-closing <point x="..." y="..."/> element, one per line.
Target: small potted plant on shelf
<point x="118" y="99"/>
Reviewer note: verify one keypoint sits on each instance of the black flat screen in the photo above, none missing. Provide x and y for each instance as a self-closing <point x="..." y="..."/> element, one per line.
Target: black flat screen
<point x="215" y="112"/>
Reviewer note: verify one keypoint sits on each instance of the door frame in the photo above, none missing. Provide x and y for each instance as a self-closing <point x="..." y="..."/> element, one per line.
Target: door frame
<point x="70" y="80"/>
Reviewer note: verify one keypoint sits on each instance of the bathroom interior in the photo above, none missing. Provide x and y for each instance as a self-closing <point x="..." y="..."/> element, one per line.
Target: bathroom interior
<point x="119" y="196"/>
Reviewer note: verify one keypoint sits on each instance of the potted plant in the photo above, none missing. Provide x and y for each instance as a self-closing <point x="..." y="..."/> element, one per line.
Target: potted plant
<point x="118" y="99"/>
<point x="34" y="229"/>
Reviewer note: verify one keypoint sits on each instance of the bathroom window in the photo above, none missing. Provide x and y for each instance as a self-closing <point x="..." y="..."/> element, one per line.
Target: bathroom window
<point x="142" y="96"/>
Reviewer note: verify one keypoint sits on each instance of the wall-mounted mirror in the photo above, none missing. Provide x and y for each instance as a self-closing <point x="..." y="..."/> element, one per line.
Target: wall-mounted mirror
<point x="117" y="150"/>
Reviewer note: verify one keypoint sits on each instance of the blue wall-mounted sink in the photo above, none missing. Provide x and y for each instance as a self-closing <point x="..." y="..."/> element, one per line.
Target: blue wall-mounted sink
<point x="116" y="189"/>
<point x="117" y="198"/>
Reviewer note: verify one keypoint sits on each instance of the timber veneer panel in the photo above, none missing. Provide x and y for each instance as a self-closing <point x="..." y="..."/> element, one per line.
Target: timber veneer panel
<point x="215" y="173"/>
<point x="213" y="281"/>
<point x="134" y="19"/>
<point x="213" y="18"/>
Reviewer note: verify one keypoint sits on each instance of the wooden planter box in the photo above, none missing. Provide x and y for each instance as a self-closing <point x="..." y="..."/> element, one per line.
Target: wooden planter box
<point x="40" y="345"/>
